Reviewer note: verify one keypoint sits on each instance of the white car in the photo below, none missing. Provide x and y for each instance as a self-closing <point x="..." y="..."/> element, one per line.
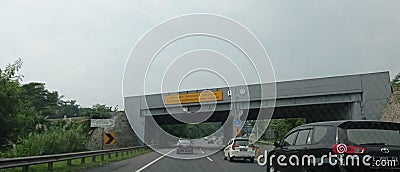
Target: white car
<point x="240" y="148"/>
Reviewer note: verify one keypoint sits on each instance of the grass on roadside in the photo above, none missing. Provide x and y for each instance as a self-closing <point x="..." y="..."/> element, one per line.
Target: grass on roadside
<point x="76" y="163"/>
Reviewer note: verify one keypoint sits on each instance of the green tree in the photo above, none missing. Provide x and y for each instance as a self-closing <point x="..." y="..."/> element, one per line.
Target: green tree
<point x="69" y="108"/>
<point x="98" y="111"/>
<point x="43" y="100"/>
<point x="396" y="83"/>
<point x="12" y="105"/>
<point x="282" y="126"/>
<point x="192" y="130"/>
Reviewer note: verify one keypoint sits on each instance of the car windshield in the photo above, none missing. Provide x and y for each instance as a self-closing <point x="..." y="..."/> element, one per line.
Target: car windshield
<point x="373" y="136"/>
<point x="184" y="142"/>
<point x="242" y="142"/>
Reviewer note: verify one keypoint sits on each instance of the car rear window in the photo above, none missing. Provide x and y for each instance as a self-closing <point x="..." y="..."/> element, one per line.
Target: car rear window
<point x="373" y="136"/>
<point x="184" y="141"/>
<point x="242" y="142"/>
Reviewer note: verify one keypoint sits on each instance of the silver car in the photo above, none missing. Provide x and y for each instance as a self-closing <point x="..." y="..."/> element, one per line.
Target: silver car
<point x="184" y="146"/>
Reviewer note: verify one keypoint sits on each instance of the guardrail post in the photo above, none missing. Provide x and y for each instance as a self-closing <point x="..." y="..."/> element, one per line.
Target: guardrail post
<point x="50" y="166"/>
<point x="83" y="160"/>
<point x="69" y="162"/>
<point x="116" y="154"/>
<point x="109" y="156"/>
<point x="25" y="168"/>
<point x="93" y="158"/>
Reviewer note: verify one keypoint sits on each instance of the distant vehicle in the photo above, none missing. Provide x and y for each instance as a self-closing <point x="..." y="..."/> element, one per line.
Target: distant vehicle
<point x="347" y="139"/>
<point x="205" y="138"/>
<point x="240" y="148"/>
<point x="184" y="146"/>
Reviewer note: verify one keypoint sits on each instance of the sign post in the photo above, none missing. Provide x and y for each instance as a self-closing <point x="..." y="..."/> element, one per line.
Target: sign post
<point x="104" y="123"/>
<point x="102" y="138"/>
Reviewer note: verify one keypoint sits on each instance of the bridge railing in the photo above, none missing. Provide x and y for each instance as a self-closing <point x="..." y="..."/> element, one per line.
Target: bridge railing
<point x="25" y="162"/>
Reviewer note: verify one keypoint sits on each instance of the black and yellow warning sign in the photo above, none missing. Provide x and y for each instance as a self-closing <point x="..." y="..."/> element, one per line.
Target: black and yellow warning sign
<point x="109" y="138"/>
<point x="205" y="96"/>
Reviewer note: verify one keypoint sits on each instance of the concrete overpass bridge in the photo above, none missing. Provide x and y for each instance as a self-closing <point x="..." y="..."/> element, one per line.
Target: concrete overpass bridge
<point x="361" y="96"/>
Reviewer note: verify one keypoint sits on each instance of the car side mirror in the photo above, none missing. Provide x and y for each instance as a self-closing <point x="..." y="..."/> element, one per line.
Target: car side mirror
<point x="276" y="144"/>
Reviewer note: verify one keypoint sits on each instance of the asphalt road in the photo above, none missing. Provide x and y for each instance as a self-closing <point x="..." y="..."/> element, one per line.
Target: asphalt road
<point x="160" y="162"/>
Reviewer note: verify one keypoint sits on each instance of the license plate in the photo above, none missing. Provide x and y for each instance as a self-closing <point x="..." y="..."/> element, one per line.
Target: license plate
<point x="243" y="149"/>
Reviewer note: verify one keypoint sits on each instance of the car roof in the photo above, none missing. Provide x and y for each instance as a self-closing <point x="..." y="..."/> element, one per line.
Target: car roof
<point x="343" y="122"/>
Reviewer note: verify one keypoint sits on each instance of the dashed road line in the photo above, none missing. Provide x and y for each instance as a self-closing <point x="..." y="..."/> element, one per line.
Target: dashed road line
<point x="209" y="159"/>
<point x="154" y="161"/>
<point x="201" y="151"/>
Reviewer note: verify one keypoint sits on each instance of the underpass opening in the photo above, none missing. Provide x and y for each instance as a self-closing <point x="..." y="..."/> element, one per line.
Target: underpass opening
<point x="311" y="113"/>
<point x="167" y="122"/>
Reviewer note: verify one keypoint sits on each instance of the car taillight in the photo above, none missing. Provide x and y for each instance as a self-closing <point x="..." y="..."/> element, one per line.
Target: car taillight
<point x="252" y="146"/>
<point x="234" y="146"/>
<point x="344" y="149"/>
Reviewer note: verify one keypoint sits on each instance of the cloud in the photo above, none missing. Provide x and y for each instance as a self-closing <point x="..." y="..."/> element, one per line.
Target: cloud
<point x="80" y="48"/>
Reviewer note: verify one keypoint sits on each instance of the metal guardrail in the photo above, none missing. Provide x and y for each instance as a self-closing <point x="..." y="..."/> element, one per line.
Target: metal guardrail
<point x="25" y="162"/>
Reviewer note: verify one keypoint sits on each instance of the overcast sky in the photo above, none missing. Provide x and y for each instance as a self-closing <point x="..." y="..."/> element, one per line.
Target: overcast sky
<point x="80" y="48"/>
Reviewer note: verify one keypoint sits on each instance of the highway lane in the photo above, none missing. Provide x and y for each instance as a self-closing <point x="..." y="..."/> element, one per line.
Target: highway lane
<point x="211" y="163"/>
<point x="158" y="162"/>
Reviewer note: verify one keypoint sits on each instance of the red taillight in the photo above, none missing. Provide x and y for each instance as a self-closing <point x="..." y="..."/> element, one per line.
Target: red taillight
<point x="252" y="146"/>
<point x="234" y="146"/>
<point x="344" y="149"/>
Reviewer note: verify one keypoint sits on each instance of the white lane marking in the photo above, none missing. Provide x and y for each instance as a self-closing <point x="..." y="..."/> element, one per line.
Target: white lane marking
<point x="154" y="161"/>
<point x="209" y="159"/>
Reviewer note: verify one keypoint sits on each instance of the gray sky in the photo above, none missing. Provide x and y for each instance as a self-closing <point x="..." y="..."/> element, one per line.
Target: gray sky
<point x="80" y="48"/>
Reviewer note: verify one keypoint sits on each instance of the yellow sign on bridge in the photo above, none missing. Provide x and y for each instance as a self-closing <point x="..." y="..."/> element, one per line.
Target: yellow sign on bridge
<point x="205" y="96"/>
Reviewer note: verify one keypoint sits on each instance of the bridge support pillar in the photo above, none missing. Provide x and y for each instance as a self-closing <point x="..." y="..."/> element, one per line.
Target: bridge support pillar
<point x="151" y="131"/>
<point x="356" y="113"/>
<point x="228" y="129"/>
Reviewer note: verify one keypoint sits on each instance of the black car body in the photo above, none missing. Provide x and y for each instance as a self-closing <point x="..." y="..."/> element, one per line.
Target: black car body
<point x="355" y="146"/>
<point x="184" y="146"/>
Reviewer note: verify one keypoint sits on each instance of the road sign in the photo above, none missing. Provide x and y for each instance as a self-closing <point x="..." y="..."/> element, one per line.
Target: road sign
<point x="193" y="97"/>
<point x="109" y="138"/>
<point x="102" y="123"/>
<point x="237" y="122"/>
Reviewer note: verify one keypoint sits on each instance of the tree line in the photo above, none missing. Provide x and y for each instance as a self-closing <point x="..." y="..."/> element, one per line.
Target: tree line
<point x="24" y="113"/>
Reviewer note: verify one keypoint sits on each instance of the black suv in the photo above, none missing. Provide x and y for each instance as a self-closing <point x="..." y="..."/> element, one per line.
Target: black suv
<point x="354" y="146"/>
